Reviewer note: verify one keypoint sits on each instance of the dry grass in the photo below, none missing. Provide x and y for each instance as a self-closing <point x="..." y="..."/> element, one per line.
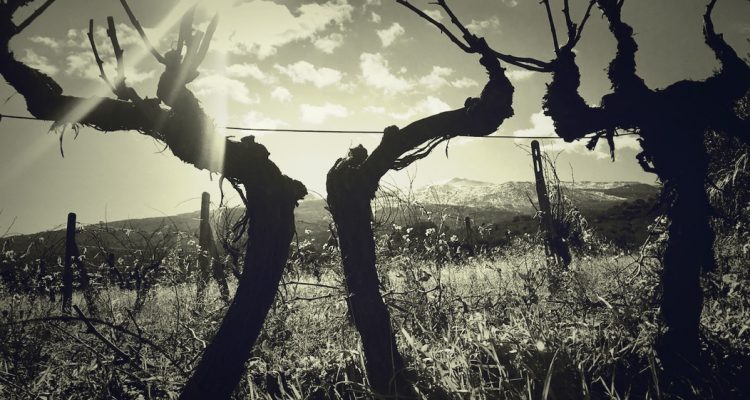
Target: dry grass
<point x="483" y="328"/>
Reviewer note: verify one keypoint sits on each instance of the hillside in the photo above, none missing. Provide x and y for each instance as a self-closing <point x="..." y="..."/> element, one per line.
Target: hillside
<point x="619" y="210"/>
<point x="514" y="196"/>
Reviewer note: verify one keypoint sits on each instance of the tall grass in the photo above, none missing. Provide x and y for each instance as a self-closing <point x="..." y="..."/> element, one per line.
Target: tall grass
<point x="482" y="327"/>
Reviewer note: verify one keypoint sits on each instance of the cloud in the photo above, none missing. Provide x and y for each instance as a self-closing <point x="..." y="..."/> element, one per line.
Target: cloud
<point x="518" y="75"/>
<point x="389" y="35"/>
<point x="46" y="41"/>
<point x="436" y="78"/>
<point x="80" y="59"/>
<point x="510" y="3"/>
<point x="254" y="119"/>
<point x="485" y="25"/>
<point x="375" y="18"/>
<point x="374" y="110"/>
<point x="41" y="63"/>
<point x="82" y="65"/>
<point x="277" y="27"/>
<point x="213" y="88"/>
<point x="464" y="82"/>
<point x="377" y="74"/>
<point x="126" y="37"/>
<point x="303" y="72"/>
<point x="542" y="125"/>
<point x="434" y="14"/>
<point x="429" y="106"/>
<point x="327" y="44"/>
<point x="249" y="70"/>
<point x="318" y="114"/>
<point x="281" y="94"/>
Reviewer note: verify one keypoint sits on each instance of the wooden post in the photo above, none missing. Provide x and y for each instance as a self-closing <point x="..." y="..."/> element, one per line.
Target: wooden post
<point x="555" y="247"/>
<point x="204" y="258"/>
<point x="543" y="198"/>
<point x="469" y="236"/>
<point x="208" y="264"/>
<point x="70" y="252"/>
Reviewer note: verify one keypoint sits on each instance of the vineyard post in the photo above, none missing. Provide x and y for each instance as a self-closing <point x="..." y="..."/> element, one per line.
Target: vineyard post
<point x="70" y="252"/>
<point x="208" y="260"/>
<point x="545" y="209"/>
<point x="469" y="236"/>
<point x="204" y="257"/>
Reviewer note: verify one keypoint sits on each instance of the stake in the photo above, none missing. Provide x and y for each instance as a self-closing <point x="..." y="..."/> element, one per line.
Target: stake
<point x="70" y="252"/>
<point x="543" y="197"/>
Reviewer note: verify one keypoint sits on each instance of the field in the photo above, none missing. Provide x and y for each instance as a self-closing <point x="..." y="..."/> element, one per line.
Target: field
<point x="500" y="324"/>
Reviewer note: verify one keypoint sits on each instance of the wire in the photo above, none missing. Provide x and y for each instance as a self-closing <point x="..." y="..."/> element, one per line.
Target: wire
<point x="245" y="128"/>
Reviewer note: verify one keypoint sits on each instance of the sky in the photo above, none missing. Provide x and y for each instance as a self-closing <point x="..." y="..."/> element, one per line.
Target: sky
<point x="326" y="64"/>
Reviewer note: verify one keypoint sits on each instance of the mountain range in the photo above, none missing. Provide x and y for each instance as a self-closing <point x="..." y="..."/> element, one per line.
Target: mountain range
<point x="514" y="196"/>
<point x="621" y="210"/>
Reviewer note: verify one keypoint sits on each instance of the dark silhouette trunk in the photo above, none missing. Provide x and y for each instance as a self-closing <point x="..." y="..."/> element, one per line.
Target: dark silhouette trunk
<point x="188" y="132"/>
<point x="682" y="165"/>
<point x="270" y="232"/>
<point x="351" y="186"/>
<point x="349" y="196"/>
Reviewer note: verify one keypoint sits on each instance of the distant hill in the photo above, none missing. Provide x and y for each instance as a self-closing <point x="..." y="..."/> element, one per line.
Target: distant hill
<point x="619" y="210"/>
<point x="514" y="196"/>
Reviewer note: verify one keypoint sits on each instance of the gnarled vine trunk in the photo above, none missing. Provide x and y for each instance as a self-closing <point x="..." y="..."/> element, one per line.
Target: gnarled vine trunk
<point x="270" y="232"/>
<point x="352" y="184"/>
<point x="349" y="197"/>
<point x="683" y="165"/>
<point x="188" y="132"/>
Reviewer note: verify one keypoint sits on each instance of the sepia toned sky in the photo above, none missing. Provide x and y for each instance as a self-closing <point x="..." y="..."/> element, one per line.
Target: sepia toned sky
<point x="326" y="64"/>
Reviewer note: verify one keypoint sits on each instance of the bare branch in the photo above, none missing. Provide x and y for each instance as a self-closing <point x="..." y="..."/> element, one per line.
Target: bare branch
<point x="196" y="45"/>
<point x="112" y="33"/>
<point x="552" y="25"/>
<point x="575" y="30"/>
<point x="568" y="20"/>
<point x="92" y="329"/>
<point x="454" y="19"/>
<point x="98" y="59"/>
<point x="521" y="62"/>
<point x="203" y="50"/>
<point x="583" y="21"/>
<point x="139" y="28"/>
<point x="479" y="117"/>
<point x="186" y="29"/>
<point x="33" y="16"/>
<point x="531" y="64"/>
<point x="622" y="70"/>
<point x="440" y="26"/>
<point x="191" y="56"/>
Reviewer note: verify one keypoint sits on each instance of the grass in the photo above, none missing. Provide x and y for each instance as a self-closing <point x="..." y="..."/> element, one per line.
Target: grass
<point x="487" y="327"/>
